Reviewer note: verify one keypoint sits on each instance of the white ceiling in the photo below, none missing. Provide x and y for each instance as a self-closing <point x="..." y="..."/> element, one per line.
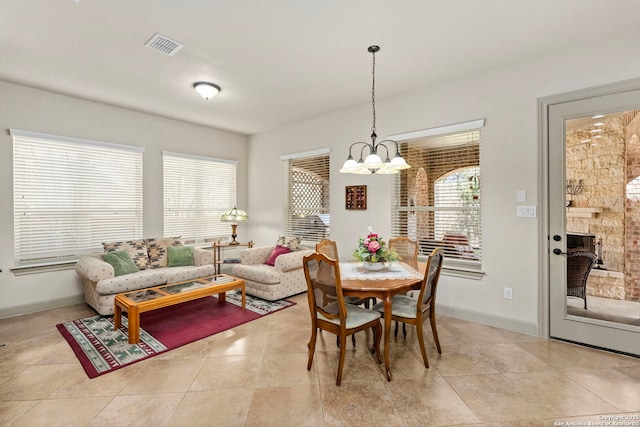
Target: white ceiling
<point x="280" y="61"/>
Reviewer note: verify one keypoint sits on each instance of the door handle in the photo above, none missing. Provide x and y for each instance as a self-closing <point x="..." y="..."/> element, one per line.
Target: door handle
<point x="559" y="252"/>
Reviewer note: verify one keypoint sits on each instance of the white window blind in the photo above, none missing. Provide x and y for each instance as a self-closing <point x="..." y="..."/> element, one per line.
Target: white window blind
<point x="197" y="191"/>
<point x="70" y="195"/>
<point x="438" y="200"/>
<point x="308" y="202"/>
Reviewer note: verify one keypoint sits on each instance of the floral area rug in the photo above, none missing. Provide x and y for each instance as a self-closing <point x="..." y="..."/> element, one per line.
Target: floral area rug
<point x="101" y="349"/>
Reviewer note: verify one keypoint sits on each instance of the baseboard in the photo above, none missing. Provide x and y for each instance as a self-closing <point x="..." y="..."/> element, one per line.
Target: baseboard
<point x="40" y="306"/>
<point x="489" y="320"/>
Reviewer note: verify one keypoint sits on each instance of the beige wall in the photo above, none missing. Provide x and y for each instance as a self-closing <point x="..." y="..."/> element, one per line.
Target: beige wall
<point x="507" y="98"/>
<point x="40" y="111"/>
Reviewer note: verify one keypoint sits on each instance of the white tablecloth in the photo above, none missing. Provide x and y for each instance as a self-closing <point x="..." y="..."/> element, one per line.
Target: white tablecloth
<point x="395" y="270"/>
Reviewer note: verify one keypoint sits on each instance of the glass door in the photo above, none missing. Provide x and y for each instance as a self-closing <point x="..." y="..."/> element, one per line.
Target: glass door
<point x="594" y="221"/>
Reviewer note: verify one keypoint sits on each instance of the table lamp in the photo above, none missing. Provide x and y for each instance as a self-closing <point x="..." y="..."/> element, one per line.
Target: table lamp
<point x="234" y="216"/>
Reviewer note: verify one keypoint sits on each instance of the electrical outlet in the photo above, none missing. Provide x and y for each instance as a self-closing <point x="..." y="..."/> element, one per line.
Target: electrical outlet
<point x="508" y="293"/>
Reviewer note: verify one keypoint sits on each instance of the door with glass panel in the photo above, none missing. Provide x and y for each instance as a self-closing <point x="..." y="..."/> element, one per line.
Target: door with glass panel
<point x="594" y="220"/>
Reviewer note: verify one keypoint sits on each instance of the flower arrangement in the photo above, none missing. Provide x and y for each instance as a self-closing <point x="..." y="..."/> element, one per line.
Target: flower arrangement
<point x="374" y="249"/>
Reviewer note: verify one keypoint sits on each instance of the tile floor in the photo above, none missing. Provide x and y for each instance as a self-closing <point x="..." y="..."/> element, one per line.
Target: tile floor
<point x="255" y="375"/>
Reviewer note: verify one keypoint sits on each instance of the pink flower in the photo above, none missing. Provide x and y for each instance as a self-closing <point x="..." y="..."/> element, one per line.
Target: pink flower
<point x="373" y="246"/>
<point x="372" y="236"/>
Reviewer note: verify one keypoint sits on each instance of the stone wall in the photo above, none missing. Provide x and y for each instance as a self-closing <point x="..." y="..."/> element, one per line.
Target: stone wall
<point x="600" y="165"/>
<point x="606" y="284"/>
<point x="608" y="166"/>
<point x="632" y="229"/>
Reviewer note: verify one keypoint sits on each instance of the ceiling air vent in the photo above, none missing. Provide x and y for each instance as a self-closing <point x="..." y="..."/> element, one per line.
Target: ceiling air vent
<point x="163" y="44"/>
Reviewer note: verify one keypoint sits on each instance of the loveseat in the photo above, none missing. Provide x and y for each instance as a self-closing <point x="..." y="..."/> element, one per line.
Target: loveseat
<point x="273" y="282"/>
<point x="152" y="268"/>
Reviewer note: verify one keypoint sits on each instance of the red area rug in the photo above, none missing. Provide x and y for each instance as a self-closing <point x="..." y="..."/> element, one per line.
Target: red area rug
<point x="100" y="349"/>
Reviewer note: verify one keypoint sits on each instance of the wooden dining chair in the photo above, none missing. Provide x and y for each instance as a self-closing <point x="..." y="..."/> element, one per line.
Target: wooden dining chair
<point x="405" y="247"/>
<point x="328" y="309"/>
<point x="330" y="249"/>
<point x="414" y="311"/>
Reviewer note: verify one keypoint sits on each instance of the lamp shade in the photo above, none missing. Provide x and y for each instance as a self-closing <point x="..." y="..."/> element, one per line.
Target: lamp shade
<point x="387" y="170"/>
<point x="373" y="161"/>
<point x="399" y="163"/>
<point x="234" y="216"/>
<point x="350" y="166"/>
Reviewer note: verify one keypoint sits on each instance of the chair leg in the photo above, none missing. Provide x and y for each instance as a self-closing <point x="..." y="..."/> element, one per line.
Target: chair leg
<point x="343" y="344"/>
<point x="353" y="340"/>
<point x="421" y="342"/>
<point x="434" y="329"/>
<point x="377" y="337"/>
<point x="404" y="329"/>
<point x="312" y="347"/>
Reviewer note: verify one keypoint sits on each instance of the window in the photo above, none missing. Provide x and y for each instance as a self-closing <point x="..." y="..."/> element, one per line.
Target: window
<point x="70" y="195"/>
<point x="308" y="214"/>
<point x="197" y="191"/>
<point x="438" y="200"/>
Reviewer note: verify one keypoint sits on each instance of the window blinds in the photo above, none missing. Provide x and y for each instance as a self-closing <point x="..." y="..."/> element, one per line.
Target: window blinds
<point x="70" y="195"/>
<point x="197" y="191"/>
<point x="438" y="200"/>
<point x="308" y="206"/>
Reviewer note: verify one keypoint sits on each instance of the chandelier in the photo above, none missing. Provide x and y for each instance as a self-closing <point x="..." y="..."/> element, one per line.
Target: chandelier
<point x="373" y="162"/>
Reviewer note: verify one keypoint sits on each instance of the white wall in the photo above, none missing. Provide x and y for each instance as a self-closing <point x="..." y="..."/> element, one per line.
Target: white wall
<point x="40" y="111"/>
<point x="507" y="98"/>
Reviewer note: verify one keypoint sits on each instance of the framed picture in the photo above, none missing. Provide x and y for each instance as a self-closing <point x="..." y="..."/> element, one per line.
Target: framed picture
<point x="356" y="197"/>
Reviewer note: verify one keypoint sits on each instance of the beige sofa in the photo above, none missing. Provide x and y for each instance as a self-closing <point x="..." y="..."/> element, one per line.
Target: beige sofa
<point x="150" y="256"/>
<point x="283" y="279"/>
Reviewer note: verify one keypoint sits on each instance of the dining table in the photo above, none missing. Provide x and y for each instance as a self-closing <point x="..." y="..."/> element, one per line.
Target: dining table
<point x="398" y="278"/>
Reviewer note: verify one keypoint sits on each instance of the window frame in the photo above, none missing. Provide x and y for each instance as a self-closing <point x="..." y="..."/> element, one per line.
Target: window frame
<point x="324" y="217"/>
<point x="41" y="175"/>
<point x="203" y="177"/>
<point x="458" y="267"/>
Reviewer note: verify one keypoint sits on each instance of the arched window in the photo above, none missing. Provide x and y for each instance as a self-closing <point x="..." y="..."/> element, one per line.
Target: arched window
<point x="456" y="198"/>
<point x="438" y="200"/>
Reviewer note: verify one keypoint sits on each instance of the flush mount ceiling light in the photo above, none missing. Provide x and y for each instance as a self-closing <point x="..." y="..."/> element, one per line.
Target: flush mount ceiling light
<point x="206" y="90"/>
<point x="373" y="163"/>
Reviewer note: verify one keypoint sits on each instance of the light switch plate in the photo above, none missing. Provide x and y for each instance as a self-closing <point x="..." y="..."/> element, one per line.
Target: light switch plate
<point x="521" y="196"/>
<point x="526" y="212"/>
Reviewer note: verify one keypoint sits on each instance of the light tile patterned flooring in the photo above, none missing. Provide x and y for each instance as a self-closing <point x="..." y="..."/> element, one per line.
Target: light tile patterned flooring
<point x="255" y="375"/>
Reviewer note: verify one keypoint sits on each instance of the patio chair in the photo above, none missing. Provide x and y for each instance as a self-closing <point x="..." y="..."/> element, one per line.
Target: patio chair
<point x="579" y="266"/>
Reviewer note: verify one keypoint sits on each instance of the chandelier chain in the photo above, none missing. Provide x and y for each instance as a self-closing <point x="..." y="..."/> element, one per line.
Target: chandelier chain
<point x="373" y="92"/>
<point x="374" y="163"/>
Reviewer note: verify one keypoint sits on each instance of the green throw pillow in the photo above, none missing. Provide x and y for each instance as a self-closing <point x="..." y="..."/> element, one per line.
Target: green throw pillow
<point x="180" y="255"/>
<point x="121" y="261"/>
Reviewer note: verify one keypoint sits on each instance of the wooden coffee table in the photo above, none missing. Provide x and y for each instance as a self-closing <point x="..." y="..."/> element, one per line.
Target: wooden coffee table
<point x="136" y="302"/>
